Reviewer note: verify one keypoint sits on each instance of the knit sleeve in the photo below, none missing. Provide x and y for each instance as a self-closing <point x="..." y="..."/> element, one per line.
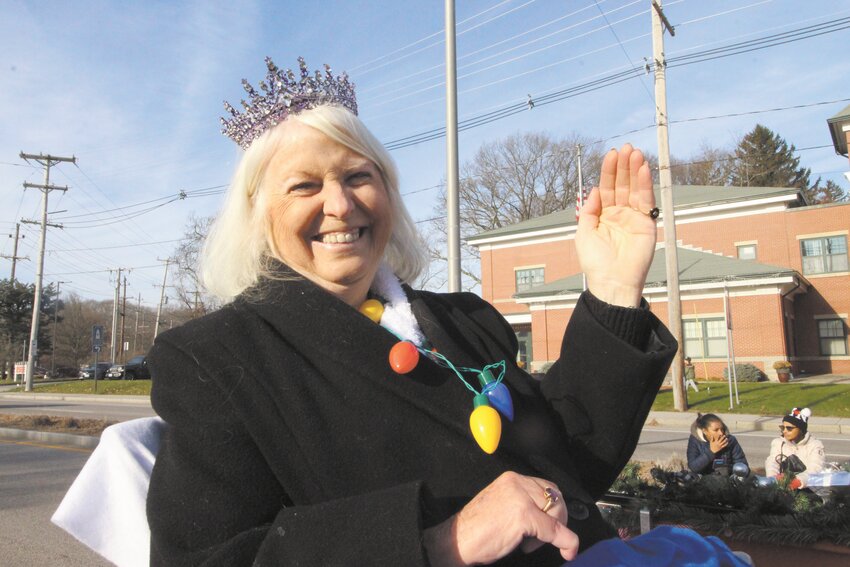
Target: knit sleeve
<point x="631" y="324"/>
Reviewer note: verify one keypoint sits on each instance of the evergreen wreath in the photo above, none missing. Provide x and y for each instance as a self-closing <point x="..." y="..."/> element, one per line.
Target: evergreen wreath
<point x="730" y="507"/>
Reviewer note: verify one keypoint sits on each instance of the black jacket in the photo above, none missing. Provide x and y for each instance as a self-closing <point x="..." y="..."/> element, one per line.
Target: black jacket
<point x="292" y="442"/>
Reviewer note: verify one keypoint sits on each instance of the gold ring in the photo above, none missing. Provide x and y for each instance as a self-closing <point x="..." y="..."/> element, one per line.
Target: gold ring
<point x="551" y="496"/>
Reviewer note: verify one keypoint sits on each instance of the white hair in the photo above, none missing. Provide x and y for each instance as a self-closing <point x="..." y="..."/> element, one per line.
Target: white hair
<point x="236" y="252"/>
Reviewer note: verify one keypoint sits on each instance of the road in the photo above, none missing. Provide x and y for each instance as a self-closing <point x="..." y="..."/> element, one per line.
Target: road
<point x="33" y="480"/>
<point x="113" y="411"/>
<point x="667" y="445"/>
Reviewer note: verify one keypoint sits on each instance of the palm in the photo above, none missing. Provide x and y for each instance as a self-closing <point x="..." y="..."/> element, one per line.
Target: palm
<point x="616" y="237"/>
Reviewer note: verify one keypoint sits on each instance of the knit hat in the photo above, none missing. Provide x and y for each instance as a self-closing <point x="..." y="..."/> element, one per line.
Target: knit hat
<point x="799" y="417"/>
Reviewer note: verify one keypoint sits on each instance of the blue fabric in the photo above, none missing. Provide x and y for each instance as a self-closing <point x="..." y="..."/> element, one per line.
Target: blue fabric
<point x="665" y="546"/>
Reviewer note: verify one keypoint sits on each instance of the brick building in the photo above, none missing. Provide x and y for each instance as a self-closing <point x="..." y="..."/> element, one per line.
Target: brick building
<point x="755" y="259"/>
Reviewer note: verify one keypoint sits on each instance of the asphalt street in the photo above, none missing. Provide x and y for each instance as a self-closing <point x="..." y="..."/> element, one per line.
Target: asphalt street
<point x="33" y="479"/>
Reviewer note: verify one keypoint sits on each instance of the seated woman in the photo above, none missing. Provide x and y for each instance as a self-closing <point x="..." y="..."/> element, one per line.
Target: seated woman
<point x="711" y="449"/>
<point x="796" y="451"/>
<point x="323" y="415"/>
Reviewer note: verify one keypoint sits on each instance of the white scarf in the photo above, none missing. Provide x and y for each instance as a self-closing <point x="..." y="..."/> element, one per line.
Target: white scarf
<point x="398" y="316"/>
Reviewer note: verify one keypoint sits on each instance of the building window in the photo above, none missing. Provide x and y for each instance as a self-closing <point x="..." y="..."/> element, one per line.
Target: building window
<point x="705" y="338"/>
<point x="747" y="252"/>
<point x="824" y="255"/>
<point x="833" y="337"/>
<point x="527" y="278"/>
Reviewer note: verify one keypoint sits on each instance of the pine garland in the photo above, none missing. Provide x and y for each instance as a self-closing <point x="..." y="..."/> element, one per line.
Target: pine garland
<point x="731" y="507"/>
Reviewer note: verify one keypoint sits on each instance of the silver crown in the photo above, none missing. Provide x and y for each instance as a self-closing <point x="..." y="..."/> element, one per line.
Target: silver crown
<point x="284" y="94"/>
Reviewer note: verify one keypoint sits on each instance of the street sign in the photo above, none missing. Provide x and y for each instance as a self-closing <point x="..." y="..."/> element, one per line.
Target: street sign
<point x="97" y="332"/>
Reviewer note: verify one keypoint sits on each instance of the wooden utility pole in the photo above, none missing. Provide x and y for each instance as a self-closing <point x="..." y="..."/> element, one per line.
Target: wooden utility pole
<point x="674" y="304"/>
<point x="55" y="324"/>
<point x="123" y="357"/>
<point x="47" y="161"/>
<point x="14" y="257"/>
<point x="113" y="351"/>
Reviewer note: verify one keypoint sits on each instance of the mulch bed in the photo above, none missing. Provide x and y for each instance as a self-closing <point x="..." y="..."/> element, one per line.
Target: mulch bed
<point x="77" y="426"/>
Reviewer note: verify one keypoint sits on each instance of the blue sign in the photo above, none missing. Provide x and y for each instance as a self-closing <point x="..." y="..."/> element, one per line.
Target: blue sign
<point x="97" y="333"/>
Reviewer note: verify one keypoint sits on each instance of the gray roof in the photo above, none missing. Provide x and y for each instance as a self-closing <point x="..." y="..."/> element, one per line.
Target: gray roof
<point x="684" y="197"/>
<point x="839" y="141"/>
<point x="694" y="267"/>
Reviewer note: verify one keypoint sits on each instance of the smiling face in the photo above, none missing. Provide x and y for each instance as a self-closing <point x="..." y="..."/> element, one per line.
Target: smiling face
<point x="328" y="210"/>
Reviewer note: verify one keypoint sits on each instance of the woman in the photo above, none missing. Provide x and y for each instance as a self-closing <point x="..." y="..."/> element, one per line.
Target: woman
<point x="290" y="438"/>
<point x="796" y="451"/>
<point x="711" y="449"/>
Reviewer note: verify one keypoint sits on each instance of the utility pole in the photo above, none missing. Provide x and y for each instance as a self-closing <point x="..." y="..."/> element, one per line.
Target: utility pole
<point x="674" y="305"/>
<point x="452" y="181"/>
<point x="115" y="301"/>
<point x="161" y="298"/>
<point x="55" y="323"/>
<point x="123" y="320"/>
<point x="136" y="331"/>
<point x="47" y="161"/>
<point x="14" y="257"/>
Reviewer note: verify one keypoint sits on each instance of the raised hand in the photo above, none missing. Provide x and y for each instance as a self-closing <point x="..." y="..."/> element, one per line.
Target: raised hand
<point x="616" y="234"/>
<point x="505" y="515"/>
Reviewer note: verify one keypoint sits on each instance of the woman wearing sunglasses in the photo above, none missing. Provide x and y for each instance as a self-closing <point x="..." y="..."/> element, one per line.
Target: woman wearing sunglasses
<point x="796" y="452"/>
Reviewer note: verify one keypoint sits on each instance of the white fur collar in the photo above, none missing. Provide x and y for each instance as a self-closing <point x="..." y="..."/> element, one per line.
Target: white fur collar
<point x="398" y="316"/>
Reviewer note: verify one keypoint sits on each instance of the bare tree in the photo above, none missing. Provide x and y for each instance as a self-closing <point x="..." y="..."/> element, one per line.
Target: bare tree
<point x="73" y="336"/>
<point x="707" y="166"/>
<point x="187" y="280"/>
<point x="508" y="181"/>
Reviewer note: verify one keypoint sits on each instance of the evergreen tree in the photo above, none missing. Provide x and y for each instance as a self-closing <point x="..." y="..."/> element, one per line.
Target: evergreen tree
<point x="831" y="192"/>
<point x="16" y="301"/>
<point x="764" y="159"/>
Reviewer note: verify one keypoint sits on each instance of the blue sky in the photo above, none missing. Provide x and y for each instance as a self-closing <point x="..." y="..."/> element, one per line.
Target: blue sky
<point x="134" y="91"/>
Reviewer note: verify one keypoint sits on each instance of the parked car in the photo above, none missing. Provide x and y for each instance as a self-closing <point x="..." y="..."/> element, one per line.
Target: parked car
<point x="88" y="373"/>
<point x="136" y="367"/>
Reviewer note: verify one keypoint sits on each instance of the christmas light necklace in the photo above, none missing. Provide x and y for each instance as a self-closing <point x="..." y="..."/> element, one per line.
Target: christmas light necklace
<point x="484" y="422"/>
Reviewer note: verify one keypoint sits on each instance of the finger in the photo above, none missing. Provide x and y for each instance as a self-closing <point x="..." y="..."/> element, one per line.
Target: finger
<point x="636" y="160"/>
<point x="644" y="188"/>
<point x="553" y="532"/>
<point x="608" y="178"/>
<point x="589" y="216"/>
<point x="622" y="184"/>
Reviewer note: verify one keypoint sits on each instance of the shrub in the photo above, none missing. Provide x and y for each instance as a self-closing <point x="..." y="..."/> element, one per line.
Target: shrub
<point x="780" y="364"/>
<point x="746" y="373"/>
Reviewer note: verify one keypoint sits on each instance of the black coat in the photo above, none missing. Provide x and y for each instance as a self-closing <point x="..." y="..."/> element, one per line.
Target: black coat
<point x="292" y="442"/>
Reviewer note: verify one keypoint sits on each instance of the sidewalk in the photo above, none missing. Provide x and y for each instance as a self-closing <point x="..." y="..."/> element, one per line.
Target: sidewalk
<point x="741" y="422"/>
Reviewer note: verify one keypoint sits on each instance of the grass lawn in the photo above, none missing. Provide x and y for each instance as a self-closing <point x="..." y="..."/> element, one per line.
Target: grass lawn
<point x="114" y="387"/>
<point x="765" y="398"/>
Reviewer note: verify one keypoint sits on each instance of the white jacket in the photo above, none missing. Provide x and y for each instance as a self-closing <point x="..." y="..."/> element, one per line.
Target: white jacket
<point x="809" y="450"/>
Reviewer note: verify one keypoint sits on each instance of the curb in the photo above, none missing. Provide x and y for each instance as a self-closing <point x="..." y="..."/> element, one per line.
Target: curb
<point x="104" y="398"/>
<point x="830" y="425"/>
<point x="85" y="441"/>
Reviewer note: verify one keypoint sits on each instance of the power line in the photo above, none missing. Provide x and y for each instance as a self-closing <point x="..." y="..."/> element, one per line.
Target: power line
<point x="612" y="79"/>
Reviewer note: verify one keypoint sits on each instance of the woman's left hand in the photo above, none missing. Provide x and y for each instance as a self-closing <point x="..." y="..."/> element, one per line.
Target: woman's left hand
<point x="616" y="236"/>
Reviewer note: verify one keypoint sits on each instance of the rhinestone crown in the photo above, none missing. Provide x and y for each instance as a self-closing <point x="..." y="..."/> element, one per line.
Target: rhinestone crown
<point x="283" y="94"/>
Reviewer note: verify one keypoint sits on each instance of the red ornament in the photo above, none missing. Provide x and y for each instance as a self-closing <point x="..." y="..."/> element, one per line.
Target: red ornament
<point x="404" y="357"/>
